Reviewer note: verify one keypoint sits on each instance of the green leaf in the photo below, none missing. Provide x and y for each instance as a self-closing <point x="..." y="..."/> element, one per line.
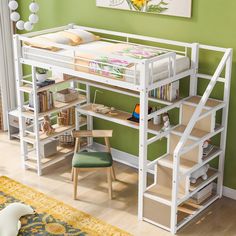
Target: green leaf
<point x="157" y="8"/>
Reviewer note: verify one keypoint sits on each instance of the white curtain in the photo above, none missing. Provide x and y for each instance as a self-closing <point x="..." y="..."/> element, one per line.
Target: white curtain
<point x="7" y="78"/>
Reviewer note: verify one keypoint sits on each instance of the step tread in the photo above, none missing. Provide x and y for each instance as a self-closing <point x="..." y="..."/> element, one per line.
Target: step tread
<point x="161" y="192"/>
<point x="197" y="133"/>
<point x="185" y="165"/>
<point x="211" y="103"/>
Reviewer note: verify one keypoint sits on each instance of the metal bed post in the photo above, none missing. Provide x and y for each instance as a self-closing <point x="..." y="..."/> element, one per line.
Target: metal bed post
<point x="36" y="121"/>
<point x="223" y="137"/>
<point x="20" y="103"/>
<point x="194" y="66"/>
<point x="175" y="189"/>
<point x="143" y="135"/>
<point x="89" y="118"/>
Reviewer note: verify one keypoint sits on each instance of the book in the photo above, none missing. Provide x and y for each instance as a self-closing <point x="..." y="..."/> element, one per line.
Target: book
<point x="168" y="92"/>
<point x="45" y="101"/>
<point x="207" y="150"/>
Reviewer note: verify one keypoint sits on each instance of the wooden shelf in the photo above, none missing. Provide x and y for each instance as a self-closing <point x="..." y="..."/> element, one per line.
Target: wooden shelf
<point x="58" y="131"/>
<point x="196" y="134"/>
<point x="211" y="174"/>
<point x="28" y="88"/>
<point x="185" y="165"/>
<point x="121" y="117"/>
<point x="62" y="153"/>
<point x="211" y="103"/>
<point x="189" y="210"/>
<point x="57" y="107"/>
<point x="161" y="192"/>
<point x="216" y="151"/>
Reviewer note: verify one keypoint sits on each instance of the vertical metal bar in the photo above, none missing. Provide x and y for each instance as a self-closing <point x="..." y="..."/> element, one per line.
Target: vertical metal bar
<point x="20" y="96"/>
<point x="194" y="66"/>
<point x="89" y="118"/>
<point x="143" y="126"/>
<point x="175" y="189"/>
<point x="227" y="83"/>
<point x="36" y="121"/>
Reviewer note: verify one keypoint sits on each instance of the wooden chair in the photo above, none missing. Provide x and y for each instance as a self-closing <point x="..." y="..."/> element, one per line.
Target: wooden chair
<point x="92" y="161"/>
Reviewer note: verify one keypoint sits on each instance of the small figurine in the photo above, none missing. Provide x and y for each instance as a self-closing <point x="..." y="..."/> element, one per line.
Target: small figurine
<point x="166" y="121"/>
<point x="46" y="126"/>
<point x="201" y="172"/>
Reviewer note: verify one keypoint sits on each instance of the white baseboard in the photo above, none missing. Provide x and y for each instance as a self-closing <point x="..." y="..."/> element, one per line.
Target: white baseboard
<point x="229" y="192"/>
<point x="131" y="160"/>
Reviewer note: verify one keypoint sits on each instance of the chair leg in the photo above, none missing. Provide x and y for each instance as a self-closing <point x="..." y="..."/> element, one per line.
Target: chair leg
<point x="72" y="174"/>
<point x="113" y="173"/>
<point x="109" y="181"/>
<point x="75" y="173"/>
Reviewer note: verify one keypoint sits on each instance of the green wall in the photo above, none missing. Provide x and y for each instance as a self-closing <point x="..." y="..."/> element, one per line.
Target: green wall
<point x="212" y="23"/>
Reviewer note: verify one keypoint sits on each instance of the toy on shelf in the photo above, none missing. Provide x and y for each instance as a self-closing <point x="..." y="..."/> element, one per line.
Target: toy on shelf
<point x="166" y="122"/>
<point x="201" y="172"/>
<point x="47" y="127"/>
<point x="66" y="117"/>
<point x="10" y="218"/>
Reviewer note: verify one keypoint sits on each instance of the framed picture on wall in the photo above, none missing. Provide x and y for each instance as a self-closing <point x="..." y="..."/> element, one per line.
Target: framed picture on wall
<point x="166" y="7"/>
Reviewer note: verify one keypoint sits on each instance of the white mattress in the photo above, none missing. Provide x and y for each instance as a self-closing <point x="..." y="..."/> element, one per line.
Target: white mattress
<point x="65" y="58"/>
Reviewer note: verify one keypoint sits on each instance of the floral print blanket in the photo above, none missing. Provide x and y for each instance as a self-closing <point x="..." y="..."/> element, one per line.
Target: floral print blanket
<point x="116" y="68"/>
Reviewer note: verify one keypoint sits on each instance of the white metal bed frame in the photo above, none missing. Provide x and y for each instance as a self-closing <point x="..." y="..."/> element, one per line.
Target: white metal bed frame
<point x="141" y="91"/>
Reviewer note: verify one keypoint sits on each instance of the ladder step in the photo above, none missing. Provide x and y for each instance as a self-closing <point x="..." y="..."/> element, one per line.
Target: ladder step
<point x="210" y="104"/>
<point x="185" y="165"/>
<point x="29" y="140"/>
<point x="196" y="134"/>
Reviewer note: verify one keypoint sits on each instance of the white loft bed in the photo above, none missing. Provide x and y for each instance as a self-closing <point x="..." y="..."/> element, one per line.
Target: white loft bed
<point x="141" y="77"/>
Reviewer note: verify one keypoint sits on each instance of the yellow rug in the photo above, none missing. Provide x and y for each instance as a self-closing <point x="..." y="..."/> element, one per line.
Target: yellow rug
<point x="53" y="217"/>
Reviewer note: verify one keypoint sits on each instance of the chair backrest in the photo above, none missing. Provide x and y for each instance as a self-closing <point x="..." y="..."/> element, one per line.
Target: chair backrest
<point x="92" y="133"/>
<point x="106" y="134"/>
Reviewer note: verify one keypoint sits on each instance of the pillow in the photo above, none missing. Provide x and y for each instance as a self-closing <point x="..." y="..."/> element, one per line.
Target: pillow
<point x="70" y="37"/>
<point x="82" y="36"/>
<point x="54" y="37"/>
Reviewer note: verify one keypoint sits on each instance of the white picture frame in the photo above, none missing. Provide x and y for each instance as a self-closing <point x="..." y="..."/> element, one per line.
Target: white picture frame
<point x="182" y="8"/>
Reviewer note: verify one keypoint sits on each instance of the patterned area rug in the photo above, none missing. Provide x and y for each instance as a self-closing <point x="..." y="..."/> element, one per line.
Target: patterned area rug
<point x="53" y="217"/>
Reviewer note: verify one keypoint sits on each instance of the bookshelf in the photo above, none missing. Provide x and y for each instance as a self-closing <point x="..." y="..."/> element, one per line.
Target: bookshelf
<point x="39" y="103"/>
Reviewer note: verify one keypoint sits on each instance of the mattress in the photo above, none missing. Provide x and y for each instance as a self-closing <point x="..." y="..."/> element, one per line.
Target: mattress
<point x="72" y="59"/>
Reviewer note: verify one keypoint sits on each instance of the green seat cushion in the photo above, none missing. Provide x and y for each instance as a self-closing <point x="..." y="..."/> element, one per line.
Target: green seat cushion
<point x="92" y="160"/>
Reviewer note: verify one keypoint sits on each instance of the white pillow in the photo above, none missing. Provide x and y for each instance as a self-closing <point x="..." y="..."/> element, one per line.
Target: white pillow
<point x="86" y="37"/>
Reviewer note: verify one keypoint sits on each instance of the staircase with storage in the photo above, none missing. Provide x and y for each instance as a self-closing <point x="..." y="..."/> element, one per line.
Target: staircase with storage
<point x="157" y="198"/>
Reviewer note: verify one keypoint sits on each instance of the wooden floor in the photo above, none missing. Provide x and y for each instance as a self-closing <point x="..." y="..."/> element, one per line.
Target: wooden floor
<point x="219" y="219"/>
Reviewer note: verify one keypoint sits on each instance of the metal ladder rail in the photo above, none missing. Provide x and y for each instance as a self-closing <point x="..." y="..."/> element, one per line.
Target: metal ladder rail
<point x="20" y="96"/>
<point x="176" y="157"/>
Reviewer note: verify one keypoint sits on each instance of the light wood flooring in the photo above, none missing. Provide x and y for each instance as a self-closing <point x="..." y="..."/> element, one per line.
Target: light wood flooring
<point x="218" y="220"/>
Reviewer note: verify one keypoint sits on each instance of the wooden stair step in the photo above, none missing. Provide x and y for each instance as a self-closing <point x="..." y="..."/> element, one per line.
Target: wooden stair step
<point x="195" y="134"/>
<point x="211" y="103"/>
<point x="185" y="165"/>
